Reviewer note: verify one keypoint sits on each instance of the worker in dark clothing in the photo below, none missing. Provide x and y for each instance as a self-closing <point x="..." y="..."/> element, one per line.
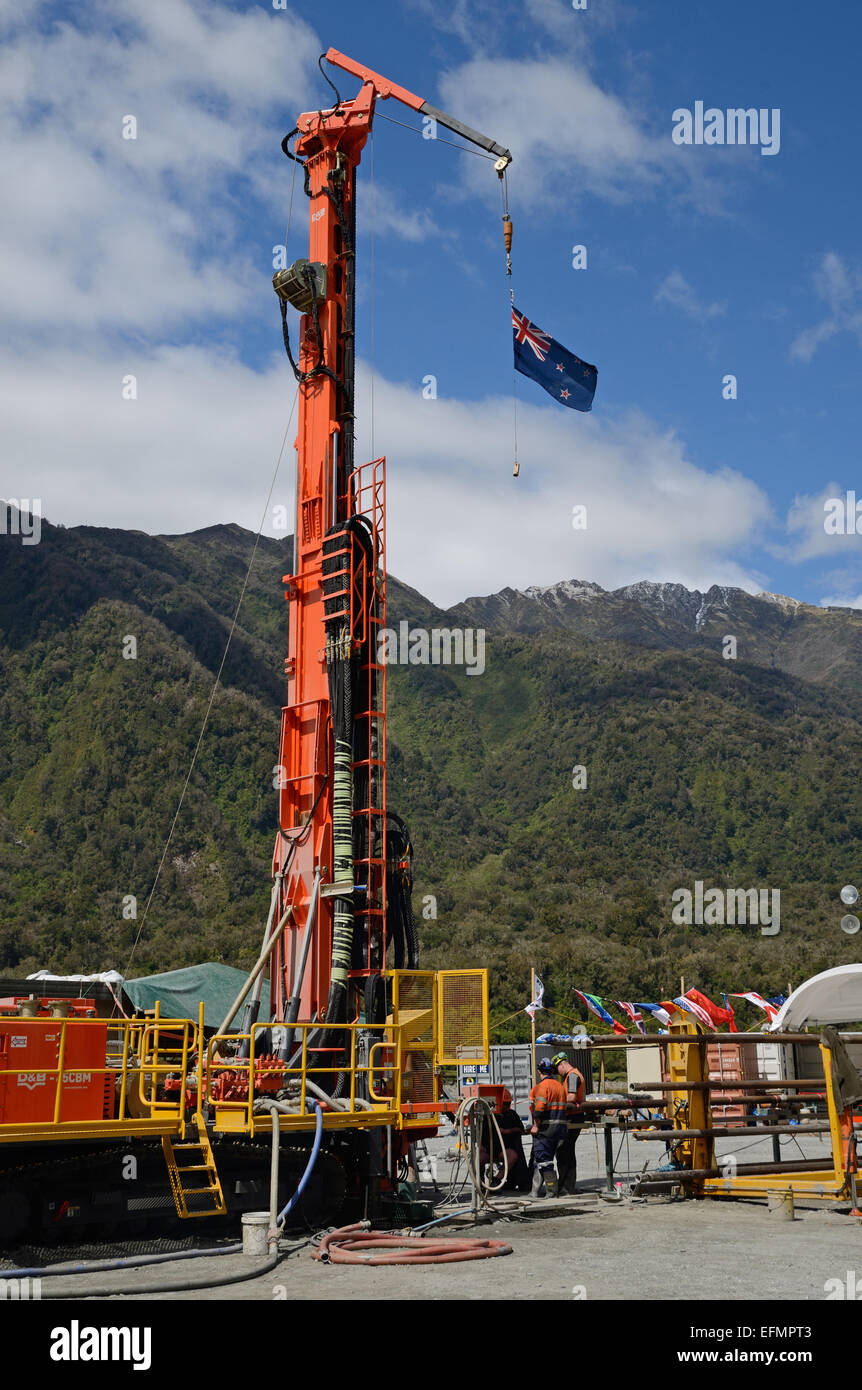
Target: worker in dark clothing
<point x="567" y="1162"/>
<point x="548" y="1108"/>
<point x="512" y="1130"/>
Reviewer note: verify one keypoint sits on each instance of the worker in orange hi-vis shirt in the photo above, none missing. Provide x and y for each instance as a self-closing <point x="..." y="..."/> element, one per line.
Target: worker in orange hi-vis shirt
<point x="575" y="1087"/>
<point x="548" y="1108"/>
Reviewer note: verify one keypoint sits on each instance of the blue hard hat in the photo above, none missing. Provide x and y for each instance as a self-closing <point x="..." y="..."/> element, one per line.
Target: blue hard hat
<point x="547" y="1065"/>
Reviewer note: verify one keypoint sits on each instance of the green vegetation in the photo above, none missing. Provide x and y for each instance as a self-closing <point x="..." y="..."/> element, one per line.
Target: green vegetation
<point x="733" y="772"/>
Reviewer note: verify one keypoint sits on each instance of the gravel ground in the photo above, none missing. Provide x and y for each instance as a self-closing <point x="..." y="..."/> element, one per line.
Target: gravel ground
<point x="663" y="1248"/>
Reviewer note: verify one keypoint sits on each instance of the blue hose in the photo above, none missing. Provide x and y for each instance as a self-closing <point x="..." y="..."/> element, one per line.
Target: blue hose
<point x="132" y="1262"/>
<point x="315" y="1150"/>
<point x="465" y="1211"/>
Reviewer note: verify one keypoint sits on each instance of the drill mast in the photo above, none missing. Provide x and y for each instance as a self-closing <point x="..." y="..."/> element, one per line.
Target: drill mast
<point x="331" y="853"/>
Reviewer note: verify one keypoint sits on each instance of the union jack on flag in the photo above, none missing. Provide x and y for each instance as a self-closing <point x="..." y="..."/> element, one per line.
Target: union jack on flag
<point x="564" y="376"/>
<point x="526" y="332"/>
<point x="634" y="1014"/>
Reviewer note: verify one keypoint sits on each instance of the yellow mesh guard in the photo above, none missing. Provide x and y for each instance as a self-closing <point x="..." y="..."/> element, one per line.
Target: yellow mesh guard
<point x="462" y="1016"/>
<point x="417" y="1075"/>
<point x="416" y="991"/>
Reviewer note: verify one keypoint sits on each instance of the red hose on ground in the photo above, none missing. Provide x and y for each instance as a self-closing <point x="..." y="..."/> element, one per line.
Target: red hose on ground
<point x="348" y="1245"/>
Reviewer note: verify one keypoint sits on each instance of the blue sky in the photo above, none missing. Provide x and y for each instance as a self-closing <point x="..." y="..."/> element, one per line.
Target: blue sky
<point x="153" y="257"/>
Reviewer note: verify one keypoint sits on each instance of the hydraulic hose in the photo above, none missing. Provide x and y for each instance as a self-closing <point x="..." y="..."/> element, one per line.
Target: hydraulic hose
<point x="440" y="1220"/>
<point x="163" y="1286"/>
<point x="348" y="1245"/>
<point x="315" y="1150"/>
<point x="470" y="1127"/>
<point x="132" y="1262"/>
<point x="336" y="1102"/>
<point x="174" y="1285"/>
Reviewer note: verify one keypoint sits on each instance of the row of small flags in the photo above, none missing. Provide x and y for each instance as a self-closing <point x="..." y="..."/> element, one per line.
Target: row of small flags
<point x="692" y="1002"/>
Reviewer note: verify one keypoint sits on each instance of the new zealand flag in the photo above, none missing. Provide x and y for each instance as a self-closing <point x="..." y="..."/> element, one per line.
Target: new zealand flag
<point x="563" y="375"/>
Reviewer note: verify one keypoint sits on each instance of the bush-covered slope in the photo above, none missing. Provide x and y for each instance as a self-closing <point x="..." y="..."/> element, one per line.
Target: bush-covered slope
<point x="740" y="773"/>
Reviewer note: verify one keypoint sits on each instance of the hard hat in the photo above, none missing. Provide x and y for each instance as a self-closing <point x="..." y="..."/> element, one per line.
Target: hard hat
<point x="547" y="1065"/>
<point x="560" y="1057"/>
<point x="507" y="1097"/>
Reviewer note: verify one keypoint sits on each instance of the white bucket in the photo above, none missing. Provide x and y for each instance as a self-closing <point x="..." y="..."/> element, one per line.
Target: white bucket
<point x="255" y="1225"/>
<point x="780" y="1205"/>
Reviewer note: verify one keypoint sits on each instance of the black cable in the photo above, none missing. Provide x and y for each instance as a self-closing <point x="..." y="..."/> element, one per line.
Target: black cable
<point x="328" y="79"/>
<point x="301" y="162"/>
<point x="400" y="923"/>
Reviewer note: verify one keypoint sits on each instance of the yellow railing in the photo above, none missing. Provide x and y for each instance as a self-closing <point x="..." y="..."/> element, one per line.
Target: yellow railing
<point x="434" y="1016"/>
<point x="257" y="1067"/>
<point x="138" y="1053"/>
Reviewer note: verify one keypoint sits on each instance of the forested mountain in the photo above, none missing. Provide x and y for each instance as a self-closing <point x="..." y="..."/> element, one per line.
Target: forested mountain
<point x="738" y="772"/>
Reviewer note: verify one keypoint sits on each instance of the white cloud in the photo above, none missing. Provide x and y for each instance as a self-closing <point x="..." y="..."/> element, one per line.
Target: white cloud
<point x="198" y="447"/>
<point x="382" y="207"/>
<point x="807" y="535"/>
<point x="483" y="26"/>
<point x="103" y="232"/>
<point x="460" y="524"/>
<point x="840" y="287"/>
<point x="676" y="291"/>
<point x="564" y="131"/>
<point x="842" y="601"/>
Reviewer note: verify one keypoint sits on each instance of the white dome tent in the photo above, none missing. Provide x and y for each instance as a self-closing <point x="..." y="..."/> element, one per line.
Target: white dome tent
<point x="833" y="996"/>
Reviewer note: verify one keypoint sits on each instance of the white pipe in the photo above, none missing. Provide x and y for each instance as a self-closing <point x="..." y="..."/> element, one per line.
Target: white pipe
<point x="337" y="1104"/>
<point x="255" y="971"/>
<point x="273" y="903"/>
<point x="293" y="1001"/>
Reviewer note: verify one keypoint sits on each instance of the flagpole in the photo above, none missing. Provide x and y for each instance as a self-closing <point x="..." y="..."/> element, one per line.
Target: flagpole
<point x="533" y="1022"/>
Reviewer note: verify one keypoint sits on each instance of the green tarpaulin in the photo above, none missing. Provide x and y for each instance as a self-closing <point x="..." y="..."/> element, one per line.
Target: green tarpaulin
<point x="179" y="992"/>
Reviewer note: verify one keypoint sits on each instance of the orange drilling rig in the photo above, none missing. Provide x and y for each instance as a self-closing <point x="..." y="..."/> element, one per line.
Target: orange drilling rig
<point x="347" y="1071"/>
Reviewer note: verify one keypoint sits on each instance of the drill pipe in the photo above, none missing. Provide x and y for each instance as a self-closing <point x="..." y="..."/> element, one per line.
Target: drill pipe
<point x="727" y="1085"/>
<point x="743" y="1170"/>
<point x="728" y="1131"/>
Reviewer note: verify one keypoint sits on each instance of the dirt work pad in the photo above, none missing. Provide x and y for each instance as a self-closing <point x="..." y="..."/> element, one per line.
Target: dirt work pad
<point x="682" y="1250"/>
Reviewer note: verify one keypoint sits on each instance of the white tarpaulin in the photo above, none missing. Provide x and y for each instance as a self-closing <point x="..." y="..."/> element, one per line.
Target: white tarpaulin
<point x="106" y="977"/>
<point x="834" y="996"/>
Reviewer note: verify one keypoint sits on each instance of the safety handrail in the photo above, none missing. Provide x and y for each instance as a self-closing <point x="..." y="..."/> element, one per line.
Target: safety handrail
<point x="256" y="1067"/>
<point x="126" y="1046"/>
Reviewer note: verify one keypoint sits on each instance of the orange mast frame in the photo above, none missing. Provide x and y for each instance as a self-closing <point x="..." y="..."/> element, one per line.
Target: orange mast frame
<point x="331" y="491"/>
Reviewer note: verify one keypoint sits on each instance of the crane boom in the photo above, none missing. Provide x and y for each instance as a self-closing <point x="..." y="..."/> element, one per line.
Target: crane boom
<point x="386" y="89"/>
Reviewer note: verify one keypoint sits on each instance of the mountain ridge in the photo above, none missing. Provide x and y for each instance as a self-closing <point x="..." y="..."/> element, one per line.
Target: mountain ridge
<point x="733" y="772"/>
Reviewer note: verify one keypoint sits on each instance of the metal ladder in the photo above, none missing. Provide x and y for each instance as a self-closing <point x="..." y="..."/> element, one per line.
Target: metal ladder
<point x="212" y="1186"/>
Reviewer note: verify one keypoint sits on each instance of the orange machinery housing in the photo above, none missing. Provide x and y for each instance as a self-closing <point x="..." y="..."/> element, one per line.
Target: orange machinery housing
<point x="30" y="1056"/>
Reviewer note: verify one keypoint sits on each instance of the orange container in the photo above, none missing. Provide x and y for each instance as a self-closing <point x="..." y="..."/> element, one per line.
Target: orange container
<point x="30" y="1047"/>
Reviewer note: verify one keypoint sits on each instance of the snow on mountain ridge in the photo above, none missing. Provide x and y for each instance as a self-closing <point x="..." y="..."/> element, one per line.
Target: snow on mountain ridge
<point x="671" y="599"/>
